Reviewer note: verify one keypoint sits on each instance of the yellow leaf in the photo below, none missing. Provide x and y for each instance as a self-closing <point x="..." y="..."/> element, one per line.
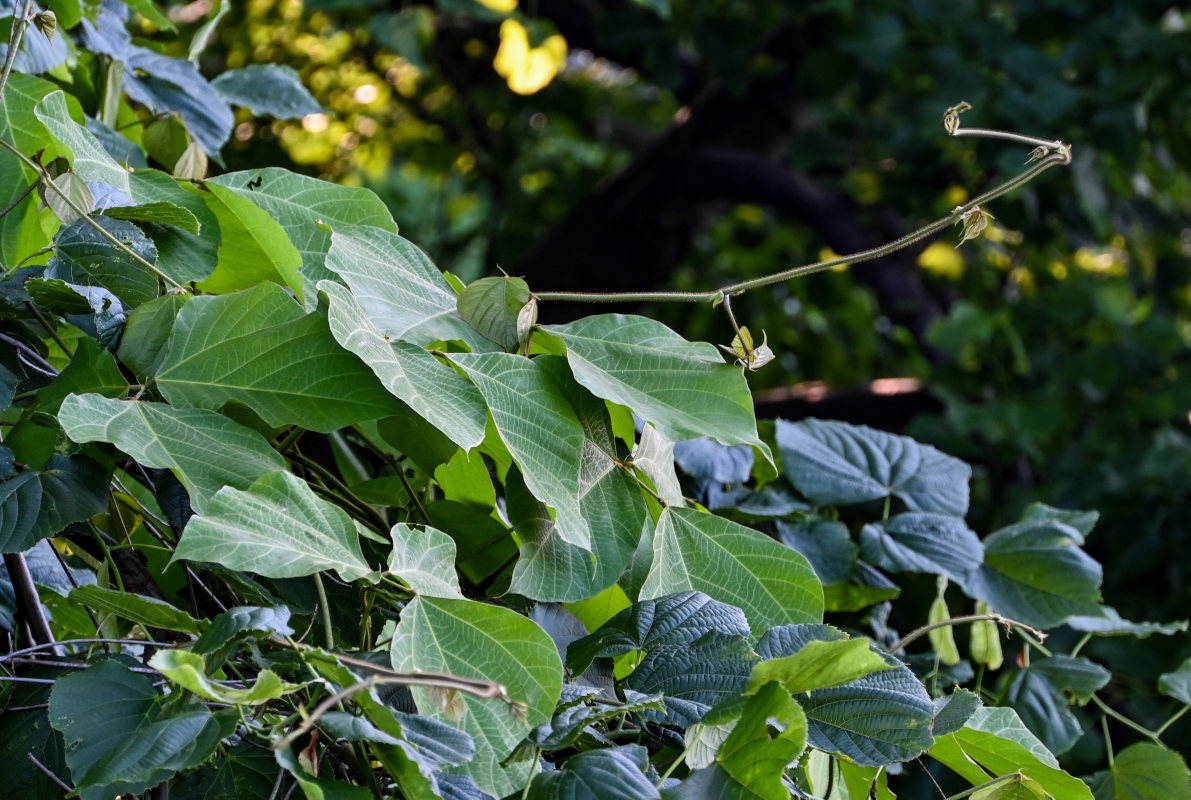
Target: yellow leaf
<point x="500" y="6"/>
<point x="942" y="260"/>
<point x="528" y="69"/>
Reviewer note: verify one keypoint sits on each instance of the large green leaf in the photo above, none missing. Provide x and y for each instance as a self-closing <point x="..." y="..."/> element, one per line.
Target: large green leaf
<point x="540" y="429"/>
<point x="398" y="287"/>
<point x="160" y="213"/>
<point x="425" y="559"/>
<point x="922" y="542"/>
<point x="1035" y="572"/>
<point x="88" y="157"/>
<point x="1043" y="710"/>
<point x="73" y="488"/>
<point x="551" y="568"/>
<point x="145" y="611"/>
<point x="25" y="731"/>
<point x="769" y="736"/>
<point x="617" y="773"/>
<point x="835" y="463"/>
<point x="881" y="718"/>
<point x="121" y="737"/>
<point x="35" y="504"/>
<point x="278" y="528"/>
<point x="684" y="388"/>
<point x="86" y="257"/>
<point x="19" y="123"/>
<point x="437" y="392"/>
<point x="308" y="209"/>
<point x="146" y="332"/>
<point x="1144" y="771"/>
<point x="693" y="677"/>
<point x="476" y="640"/>
<point x="1111" y="623"/>
<point x="245" y="772"/>
<point x="673" y="620"/>
<point x="206" y="450"/>
<point x="995" y="740"/>
<point x="255" y="247"/>
<point x="771" y="583"/>
<point x="257" y="347"/>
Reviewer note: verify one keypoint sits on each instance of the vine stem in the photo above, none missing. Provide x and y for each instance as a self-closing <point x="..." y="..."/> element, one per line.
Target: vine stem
<point x="91" y="640"/>
<point x="20" y="23"/>
<point x="485" y="690"/>
<point x="918" y="633"/>
<point x="85" y="214"/>
<point x="1121" y="718"/>
<point x="1173" y="719"/>
<point x="1061" y="155"/>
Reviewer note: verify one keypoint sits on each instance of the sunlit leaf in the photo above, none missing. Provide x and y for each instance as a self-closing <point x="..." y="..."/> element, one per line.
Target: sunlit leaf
<point x="308" y="210"/>
<point x="683" y="388"/>
<point x="257" y="347"/>
<point x="277" y="528"/>
<point x="425" y="559"/>
<point x="434" y="390"/>
<point x="539" y="427"/>
<point x="145" y="611"/>
<point x="475" y="640"/>
<point x="400" y="290"/>
<point x="881" y="718"/>
<point x="994" y="740"/>
<point x="772" y="584"/>
<point x="255" y="247"/>
<point x="207" y="451"/>
<point x="189" y="671"/>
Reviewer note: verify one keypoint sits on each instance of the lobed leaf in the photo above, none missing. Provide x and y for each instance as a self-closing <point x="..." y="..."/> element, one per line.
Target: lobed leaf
<point x="835" y="463"/>
<point x="772" y="584"/>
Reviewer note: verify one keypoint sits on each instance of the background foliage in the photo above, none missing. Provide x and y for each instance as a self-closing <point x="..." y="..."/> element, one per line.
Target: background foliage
<point x="249" y="442"/>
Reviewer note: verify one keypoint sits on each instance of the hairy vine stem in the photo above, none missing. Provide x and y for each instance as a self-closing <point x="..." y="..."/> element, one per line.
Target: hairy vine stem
<point x="20" y="22"/>
<point x="85" y="214"/>
<point x="918" y="633"/>
<point x="1046" y="154"/>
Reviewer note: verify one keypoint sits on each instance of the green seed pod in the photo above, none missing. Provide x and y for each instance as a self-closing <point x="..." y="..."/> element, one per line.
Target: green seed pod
<point x="986" y="640"/>
<point x="942" y="639"/>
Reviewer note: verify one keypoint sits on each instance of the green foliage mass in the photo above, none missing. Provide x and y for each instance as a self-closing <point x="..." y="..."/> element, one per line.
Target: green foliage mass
<point x="285" y="508"/>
